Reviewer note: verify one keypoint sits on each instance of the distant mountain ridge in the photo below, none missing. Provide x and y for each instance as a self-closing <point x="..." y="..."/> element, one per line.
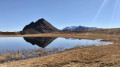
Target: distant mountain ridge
<point x="77" y="28"/>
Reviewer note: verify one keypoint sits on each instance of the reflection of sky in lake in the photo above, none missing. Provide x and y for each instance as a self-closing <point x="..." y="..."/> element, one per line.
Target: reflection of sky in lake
<point x="18" y="43"/>
<point x="70" y="43"/>
<point x="14" y="43"/>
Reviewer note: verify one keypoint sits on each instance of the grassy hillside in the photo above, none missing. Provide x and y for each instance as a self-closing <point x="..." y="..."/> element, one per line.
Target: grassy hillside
<point x="108" y="31"/>
<point x="9" y="33"/>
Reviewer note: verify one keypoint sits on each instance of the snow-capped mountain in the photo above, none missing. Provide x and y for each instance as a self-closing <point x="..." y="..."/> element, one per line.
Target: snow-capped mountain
<point x="76" y="28"/>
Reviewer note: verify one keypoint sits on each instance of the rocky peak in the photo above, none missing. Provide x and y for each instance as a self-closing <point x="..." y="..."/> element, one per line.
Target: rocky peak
<point x="40" y="26"/>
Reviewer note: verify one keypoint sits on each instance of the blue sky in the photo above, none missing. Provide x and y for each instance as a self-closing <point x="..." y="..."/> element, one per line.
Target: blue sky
<point x="15" y="14"/>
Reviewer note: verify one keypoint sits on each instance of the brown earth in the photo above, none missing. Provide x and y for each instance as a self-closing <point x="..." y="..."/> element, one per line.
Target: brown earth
<point x="94" y="56"/>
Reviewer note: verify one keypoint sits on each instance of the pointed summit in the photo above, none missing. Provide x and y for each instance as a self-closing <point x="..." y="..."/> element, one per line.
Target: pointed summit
<point x="42" y="19"/>
<point x="42" y="22"/>
<point x="40" y="26"/>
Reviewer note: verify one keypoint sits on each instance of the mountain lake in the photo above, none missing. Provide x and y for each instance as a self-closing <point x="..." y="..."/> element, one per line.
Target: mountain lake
<point x="20" y="43"/>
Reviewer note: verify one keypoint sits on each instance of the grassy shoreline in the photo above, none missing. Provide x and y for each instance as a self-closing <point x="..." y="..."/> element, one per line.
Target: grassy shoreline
<point x="25" y="54"/>
<point x="96" y="56"/>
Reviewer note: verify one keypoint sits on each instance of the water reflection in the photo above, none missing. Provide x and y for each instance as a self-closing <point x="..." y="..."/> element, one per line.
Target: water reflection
<point x="39" y="41"/>
<point x="29" y="47"/>
<point x="19" y="43"/>
<point x="64" y="43"/>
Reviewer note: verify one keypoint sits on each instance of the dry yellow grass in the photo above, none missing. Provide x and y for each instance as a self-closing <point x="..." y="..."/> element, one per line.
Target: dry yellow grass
<point x="97" y="56"/>
<point x="26" y="54"/>
<point x="89" y="56"/>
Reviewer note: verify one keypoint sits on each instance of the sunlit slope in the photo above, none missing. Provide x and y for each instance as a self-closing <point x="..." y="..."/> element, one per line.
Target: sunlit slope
<point x="108" y="31"/>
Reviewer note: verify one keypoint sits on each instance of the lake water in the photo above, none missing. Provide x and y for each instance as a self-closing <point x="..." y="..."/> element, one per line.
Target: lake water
<point x="19" y="43"/>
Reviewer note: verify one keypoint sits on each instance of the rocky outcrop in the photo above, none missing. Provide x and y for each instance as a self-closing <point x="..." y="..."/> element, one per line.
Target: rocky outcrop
<point x="40" y="26"/>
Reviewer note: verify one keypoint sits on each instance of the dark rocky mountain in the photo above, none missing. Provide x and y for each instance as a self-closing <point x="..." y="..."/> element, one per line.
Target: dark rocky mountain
<point x="77" y="28"/>
<point x="40" y="26"/>
<point x="39" y="41"/>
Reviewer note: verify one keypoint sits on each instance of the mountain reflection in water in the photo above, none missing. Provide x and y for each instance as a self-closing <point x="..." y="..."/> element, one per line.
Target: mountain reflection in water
<point x="20" y="43"/>
<point x="40" y="41"/>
